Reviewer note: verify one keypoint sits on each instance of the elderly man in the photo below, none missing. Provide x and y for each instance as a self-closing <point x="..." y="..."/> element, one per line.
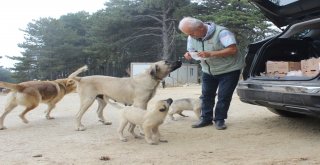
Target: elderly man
<point x="221" y="65"/>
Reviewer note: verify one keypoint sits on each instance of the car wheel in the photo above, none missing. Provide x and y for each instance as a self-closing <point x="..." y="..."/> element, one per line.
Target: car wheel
<point x="285" y="113"/>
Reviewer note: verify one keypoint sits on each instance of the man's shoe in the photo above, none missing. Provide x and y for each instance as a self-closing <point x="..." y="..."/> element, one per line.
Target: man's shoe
<point x="202" y="123"/>
<point x="220" y="125"/>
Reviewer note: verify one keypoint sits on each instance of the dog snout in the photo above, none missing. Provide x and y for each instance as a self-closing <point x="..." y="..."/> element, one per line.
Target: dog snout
<point x="175" y="65"/>
<point x="179" y="63"/>
<point x="169" y="101"/>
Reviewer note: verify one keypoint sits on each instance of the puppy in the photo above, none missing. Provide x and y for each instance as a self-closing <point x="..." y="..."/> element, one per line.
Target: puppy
<point x="136" y="90"/>
<point x="31" y="93"/>
<point x="185" y="104"/>
<point x="149" y="120"/>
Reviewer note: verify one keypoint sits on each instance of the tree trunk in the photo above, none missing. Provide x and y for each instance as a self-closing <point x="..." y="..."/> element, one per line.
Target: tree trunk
<point x="167" y="32"/>
<point x="165" y="38"/>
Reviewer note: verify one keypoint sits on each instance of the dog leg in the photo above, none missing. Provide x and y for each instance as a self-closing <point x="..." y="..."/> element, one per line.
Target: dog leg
<point x="148" y="135"/>
<point x="141" y="132"/>
<point x="139" y="127"/>
<point x="122" y="125"/>
<point x="22" y="115"/>
<point x="131" y="130"/>
<point x="101" y="105"/>
<point x="7" y="110"/>
<point x="157" y="135"/>
<point x="197" y="111"/>
<point x="180" y="113"/>
<point x="171" y="117"/>
<point x="48" y="111"/>
<point x="85" y="104"/>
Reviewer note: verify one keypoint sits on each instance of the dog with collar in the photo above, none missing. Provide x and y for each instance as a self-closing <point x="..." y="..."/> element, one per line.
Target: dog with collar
<point x="136" y="90"/>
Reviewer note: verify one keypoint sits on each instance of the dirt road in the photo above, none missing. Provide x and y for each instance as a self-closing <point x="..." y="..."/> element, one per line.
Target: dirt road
<point x="254" y="136"/>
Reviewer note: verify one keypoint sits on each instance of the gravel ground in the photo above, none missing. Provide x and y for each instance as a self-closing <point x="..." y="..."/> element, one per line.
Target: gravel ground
<point x="254" y="136"/>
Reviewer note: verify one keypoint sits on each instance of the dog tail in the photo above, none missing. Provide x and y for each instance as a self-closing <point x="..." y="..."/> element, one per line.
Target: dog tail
<point x="80" y="70"/>
<point x="14" y="87"/>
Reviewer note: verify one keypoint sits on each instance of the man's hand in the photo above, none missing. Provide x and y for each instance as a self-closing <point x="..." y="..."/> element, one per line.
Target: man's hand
<point x="204" y="54"/>
<point x="228" y="51"/>
<point x="187" y="56"/>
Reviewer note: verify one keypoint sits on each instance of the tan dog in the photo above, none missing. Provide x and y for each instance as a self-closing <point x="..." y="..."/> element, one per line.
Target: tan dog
<point x="31" y="93"/>
<point x="185" y="104"/>
<point x="149" y="120"/>
<point x="136" y="90"/>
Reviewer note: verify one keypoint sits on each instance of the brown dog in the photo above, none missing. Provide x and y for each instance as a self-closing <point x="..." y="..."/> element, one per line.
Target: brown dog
<point x="136" y="90"/>
<point x="31" y="93"/>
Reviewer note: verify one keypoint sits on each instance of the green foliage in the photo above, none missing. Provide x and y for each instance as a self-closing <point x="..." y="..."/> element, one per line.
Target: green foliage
<point x="242" y="18"/>
<point x="6" y="75"/>
<point x="126" y="31"/>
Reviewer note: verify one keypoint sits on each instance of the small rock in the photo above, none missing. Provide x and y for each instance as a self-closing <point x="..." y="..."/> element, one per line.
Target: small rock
<point x="37" y="156"/>
<point x="104" y="158"/>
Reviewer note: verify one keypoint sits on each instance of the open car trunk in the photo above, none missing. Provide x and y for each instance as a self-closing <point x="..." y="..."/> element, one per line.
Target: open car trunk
<point x="293" y="55"/>
<point x="286" y="12"/>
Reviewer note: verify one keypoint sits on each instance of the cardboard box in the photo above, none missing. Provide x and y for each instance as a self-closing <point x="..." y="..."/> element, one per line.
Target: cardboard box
<point x="310" y="65"/>
<point x="304" y="65"/>
<point x="282" y="67"/>
<point x="276" y="74"/>
<point x="311" y="74"/>
<point x="271" y="67"/>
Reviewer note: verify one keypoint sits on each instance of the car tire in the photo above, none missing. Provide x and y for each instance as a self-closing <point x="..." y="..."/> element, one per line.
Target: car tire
<point x="285" y="113"/>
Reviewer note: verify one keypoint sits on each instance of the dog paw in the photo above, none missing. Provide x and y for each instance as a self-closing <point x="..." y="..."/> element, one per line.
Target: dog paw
<point x="81" y="128"/>
<point x="124" y="139"/>
<point x="49" y="118"/>
<point x="138" y="137"/>
<point x="141" y="133"/>
<point x="153" y="143"/>
<point x="105" y="122"/>
<point x="163" y="141"/>
<point x="3" y="128"/>
<point x="25" y="121"/>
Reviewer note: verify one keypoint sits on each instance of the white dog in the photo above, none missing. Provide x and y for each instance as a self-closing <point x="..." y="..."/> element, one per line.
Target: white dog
<point x="149" y="120"/>
<point x="185" y="104"/>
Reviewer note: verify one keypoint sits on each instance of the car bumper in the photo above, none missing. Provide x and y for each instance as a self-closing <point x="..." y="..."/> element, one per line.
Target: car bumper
<point x="294" y="98"/>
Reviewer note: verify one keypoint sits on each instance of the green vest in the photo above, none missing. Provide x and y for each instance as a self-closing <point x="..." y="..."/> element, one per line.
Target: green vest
<point x="217" y="65"/>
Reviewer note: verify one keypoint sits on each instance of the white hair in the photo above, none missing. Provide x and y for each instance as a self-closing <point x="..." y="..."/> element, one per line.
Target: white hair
<point x="190" y="22"/>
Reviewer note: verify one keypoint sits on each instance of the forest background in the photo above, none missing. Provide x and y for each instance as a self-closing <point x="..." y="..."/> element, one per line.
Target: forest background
<point x="125" y="31"/>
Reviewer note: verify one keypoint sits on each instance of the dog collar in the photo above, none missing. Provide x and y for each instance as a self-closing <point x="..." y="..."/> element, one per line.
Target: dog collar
<point x="156" y="78"/>
<point x="62" y="85"/>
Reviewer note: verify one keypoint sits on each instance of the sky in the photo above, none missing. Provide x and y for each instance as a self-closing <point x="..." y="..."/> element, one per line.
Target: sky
<point x="16" y="14"/>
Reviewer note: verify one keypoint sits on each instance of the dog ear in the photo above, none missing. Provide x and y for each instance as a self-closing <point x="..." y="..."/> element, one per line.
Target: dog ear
<point x="163" y="109"/>
<point x="70" y="82"/>
<point x="154" y="70"/>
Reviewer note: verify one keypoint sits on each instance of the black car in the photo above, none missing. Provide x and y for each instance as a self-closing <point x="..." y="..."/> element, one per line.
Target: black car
<point x="287" y="95"/>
